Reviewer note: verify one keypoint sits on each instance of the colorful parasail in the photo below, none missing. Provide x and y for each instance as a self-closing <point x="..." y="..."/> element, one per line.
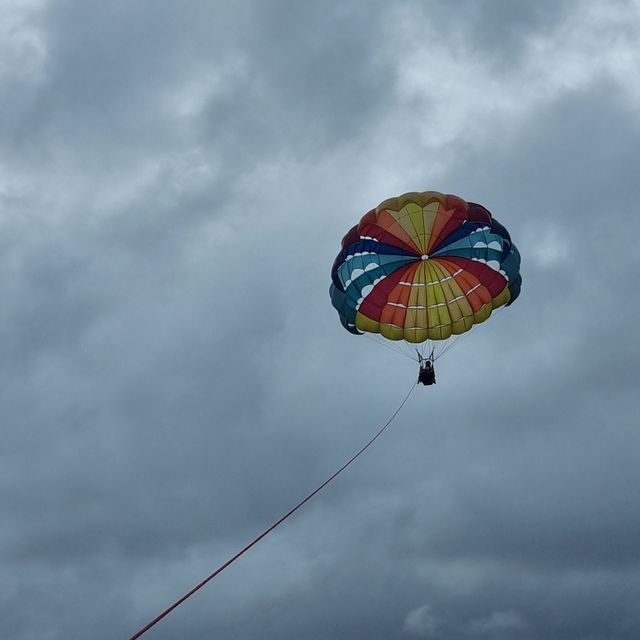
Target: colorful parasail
<point x="424" y="266"/>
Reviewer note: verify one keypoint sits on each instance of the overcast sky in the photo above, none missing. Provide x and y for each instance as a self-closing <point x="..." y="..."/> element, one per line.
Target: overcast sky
<point x="175" y="180"/>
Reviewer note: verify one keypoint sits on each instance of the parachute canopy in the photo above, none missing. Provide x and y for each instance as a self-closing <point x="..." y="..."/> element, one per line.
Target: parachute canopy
<point x="424" y="266"/>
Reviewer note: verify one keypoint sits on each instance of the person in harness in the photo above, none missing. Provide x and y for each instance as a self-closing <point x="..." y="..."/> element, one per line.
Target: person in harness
<point x="427" y="375"/>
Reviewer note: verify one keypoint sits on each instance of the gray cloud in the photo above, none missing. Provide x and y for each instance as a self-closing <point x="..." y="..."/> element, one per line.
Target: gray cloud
<point x="174" y="184"/>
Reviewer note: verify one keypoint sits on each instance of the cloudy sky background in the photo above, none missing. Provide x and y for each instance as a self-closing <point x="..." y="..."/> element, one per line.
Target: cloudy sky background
<point x="175" y="179"/>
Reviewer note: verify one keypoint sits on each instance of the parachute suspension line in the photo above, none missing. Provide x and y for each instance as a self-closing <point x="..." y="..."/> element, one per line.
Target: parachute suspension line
<point x="389" y="345"/>
<point x="453" y="342"/>
<point x="424" y="349"/>
<point x="382" y="343"/>
<point x="461" y="336"/>
<point x="379" y="342"/>
<point x="276" y="523"/>
<point x="413" y="347"/>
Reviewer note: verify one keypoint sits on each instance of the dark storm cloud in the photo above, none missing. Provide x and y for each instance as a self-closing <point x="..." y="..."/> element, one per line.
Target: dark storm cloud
<point x="104" y="289"/>
<point x="174" y="186"/>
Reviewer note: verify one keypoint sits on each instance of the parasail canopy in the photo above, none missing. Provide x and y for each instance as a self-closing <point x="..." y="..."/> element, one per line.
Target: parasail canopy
<point x="424" y="266"/>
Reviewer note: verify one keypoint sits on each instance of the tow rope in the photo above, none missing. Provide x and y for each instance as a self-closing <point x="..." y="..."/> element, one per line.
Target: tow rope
<point x="278" y="522"/>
